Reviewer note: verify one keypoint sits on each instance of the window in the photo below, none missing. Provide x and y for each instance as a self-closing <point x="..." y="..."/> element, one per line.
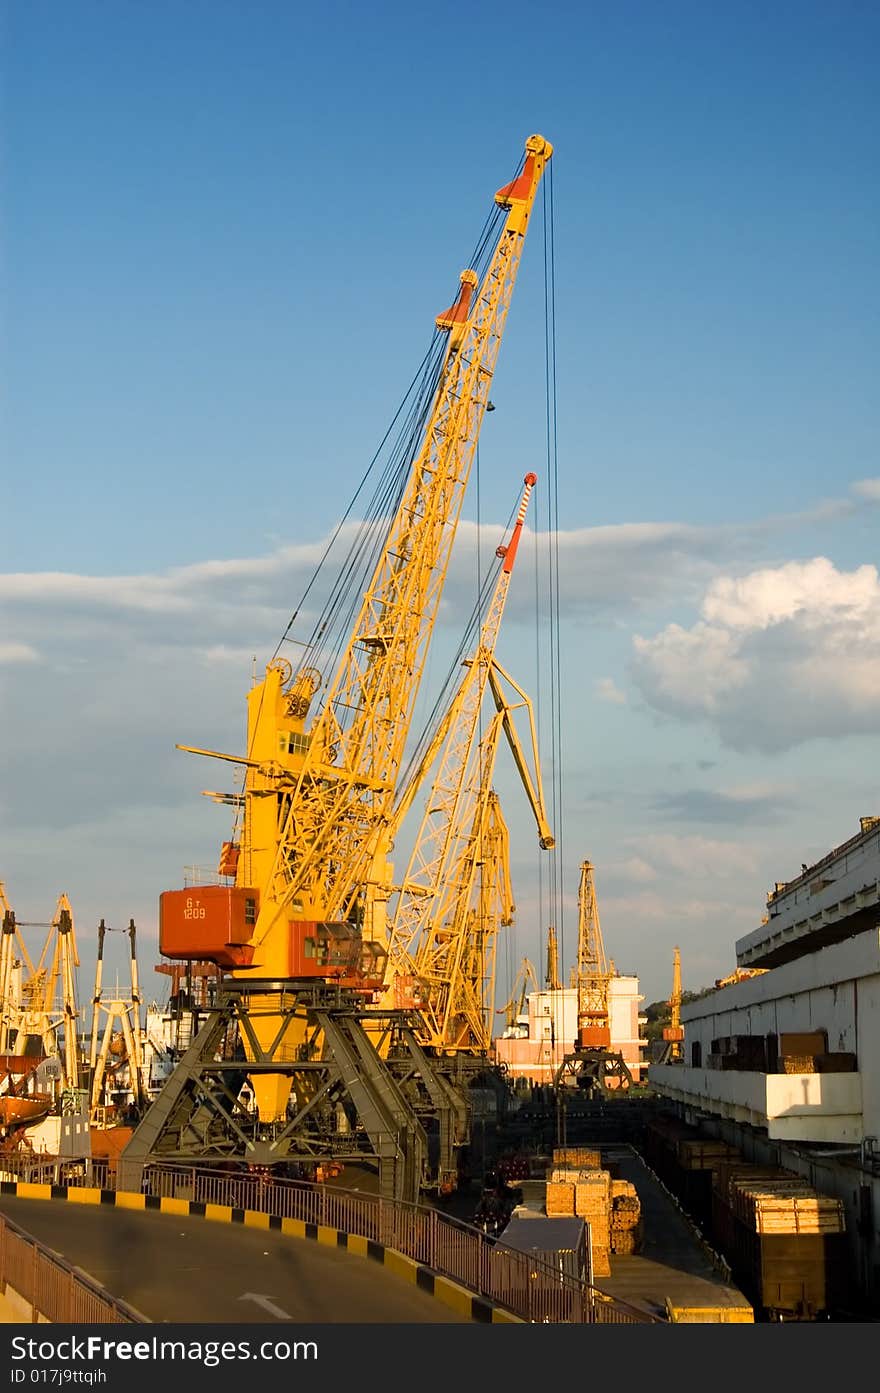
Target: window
<point x="696" y="1054"/>
<point x="291" y="742"/>
<point x="250" y="911"/>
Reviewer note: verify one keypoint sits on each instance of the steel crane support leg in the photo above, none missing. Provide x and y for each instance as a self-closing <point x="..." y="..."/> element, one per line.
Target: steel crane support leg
<point x="347" y="1105"/>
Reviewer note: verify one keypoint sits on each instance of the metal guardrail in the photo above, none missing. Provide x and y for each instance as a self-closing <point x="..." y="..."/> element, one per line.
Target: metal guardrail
<point x="53" y="1288"/>
<point x="518" y="1282"/>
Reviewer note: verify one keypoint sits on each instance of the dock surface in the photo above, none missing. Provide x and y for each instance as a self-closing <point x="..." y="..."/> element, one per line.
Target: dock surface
<point x="673" y="1262"/>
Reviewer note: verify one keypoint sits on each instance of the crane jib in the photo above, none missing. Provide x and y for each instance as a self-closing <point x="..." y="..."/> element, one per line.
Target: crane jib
<point x="318" y="799"/>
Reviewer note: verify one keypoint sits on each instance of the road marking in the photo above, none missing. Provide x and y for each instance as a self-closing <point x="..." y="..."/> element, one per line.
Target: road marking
<point x="266" y="1303"/>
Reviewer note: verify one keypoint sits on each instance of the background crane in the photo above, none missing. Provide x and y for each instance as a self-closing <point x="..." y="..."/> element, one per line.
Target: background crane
<point x="515" y="1005"/>
<point x="433" y="940"/>
<point x="673" y="1032"/>
<point x="552" y="978"/>
<point x="593" y="1065"/>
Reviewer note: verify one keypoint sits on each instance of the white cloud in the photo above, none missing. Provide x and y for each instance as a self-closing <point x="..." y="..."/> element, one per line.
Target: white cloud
<point x="607" y="690"/>
<point x="696" y="856"/>
<point x="635" y="868"/>
<point x="226" y="653"/>
<point x="18" y="653"/>
<point x="814" y="589"/>
<point x="868" y="488"/>
<point x="779" y="656"/>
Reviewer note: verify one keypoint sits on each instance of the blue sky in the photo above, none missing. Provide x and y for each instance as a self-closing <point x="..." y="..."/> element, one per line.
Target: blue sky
<point x="227" y="229"/>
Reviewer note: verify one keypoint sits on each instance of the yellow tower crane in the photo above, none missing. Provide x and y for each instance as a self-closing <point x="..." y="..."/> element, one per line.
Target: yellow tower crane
<point x="593" y="1065"/>
<point x="673" y="1032"/>
<point x="301" y="922"/>
<point x="552" y="978"/>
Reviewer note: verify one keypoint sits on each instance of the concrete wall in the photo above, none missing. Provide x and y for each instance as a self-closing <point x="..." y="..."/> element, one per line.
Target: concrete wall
<point x="837" y="886"/>
<point x="815" y="1125"/>
<point x="836" y="989"/>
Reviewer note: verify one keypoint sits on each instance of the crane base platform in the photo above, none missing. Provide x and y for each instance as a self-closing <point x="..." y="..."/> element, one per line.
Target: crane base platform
<point x="347" y="1101"/>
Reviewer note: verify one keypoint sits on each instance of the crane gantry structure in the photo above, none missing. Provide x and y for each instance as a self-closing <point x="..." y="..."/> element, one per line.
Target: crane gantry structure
<point x="593" y="1065"/>
<point x="298" y="926"/>
<point x="38" y="999"/>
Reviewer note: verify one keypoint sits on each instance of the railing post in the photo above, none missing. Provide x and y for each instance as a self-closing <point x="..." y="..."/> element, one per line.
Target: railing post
<point x="34" y="1317"/>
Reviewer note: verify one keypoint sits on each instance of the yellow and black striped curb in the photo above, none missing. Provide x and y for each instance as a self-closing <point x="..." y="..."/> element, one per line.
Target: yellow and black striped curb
<point x="452" y="1294"/>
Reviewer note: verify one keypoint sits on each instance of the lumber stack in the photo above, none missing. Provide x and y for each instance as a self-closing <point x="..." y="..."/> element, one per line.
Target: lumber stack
<point x="575" y="1186"/>
<point x="577" y="1157"/>
<point x="559" y="1201"/>
<point x="788" y="1206"/>
<point x="704" y="1153"/>
<point x="626" y="1218"/>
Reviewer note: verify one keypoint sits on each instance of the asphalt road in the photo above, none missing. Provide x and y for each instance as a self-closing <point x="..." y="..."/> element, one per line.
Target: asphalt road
<point x="196" y="1271"/>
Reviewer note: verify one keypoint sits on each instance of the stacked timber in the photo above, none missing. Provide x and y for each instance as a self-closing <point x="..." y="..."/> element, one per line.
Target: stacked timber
<point x="577" y="1157"/>
<point x="584" y="1191"/>
<point x="704" y="1153"/>
<point x="836" y="1062"/>
<point x="687" y="1162"/>
<point x="787" y="1205"/>
<point x="728" y="1172"/>
<point x="785" y="1242"/>
<point x="626" y="1218"/>
<point x="559" y="1201"/>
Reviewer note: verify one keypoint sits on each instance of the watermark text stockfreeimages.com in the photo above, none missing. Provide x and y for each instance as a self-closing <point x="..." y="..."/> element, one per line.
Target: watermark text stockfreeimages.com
<point x="97" y="1349"/>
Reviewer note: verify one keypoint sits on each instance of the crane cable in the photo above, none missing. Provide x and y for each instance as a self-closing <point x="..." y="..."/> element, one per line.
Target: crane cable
<point x="333" y="622"/>
<point x="556" y="887"/>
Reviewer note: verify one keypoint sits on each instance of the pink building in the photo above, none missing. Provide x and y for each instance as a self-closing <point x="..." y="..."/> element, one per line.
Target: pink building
<point x="534" y="1048"/>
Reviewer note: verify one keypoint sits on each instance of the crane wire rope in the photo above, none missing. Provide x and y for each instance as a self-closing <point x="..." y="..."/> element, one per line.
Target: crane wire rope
<point x="556" y="887"/>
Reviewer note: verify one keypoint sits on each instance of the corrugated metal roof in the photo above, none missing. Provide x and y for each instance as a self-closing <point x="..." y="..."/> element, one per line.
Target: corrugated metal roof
<point x="540" y="1234"/>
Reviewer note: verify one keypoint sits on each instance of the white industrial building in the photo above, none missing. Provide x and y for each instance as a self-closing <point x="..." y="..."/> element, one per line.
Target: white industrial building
<point x="816" y="960"/>
<point x="536" y="1045"/>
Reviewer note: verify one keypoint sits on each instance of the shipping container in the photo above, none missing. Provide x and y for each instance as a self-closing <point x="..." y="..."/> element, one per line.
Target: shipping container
<point x="560" y="1243"/>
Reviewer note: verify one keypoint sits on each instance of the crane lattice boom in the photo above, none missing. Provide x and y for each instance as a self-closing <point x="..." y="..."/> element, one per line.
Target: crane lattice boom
<point x="346" y="787"/>
<point x="592" y="968"/>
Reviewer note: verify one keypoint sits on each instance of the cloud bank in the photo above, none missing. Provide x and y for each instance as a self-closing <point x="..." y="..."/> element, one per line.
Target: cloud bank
<point x="778" y="657"/>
